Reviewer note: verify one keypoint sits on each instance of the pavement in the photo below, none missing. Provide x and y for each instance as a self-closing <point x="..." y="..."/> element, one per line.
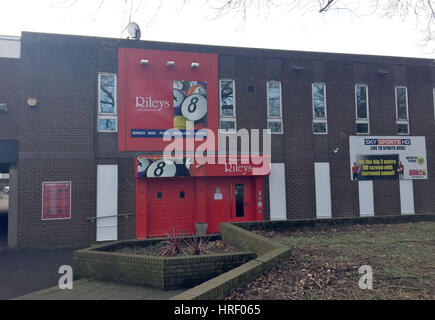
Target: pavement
<point x="98" y="290"/>
<point x="23" y="272"/>
<point x="33" y="275"/>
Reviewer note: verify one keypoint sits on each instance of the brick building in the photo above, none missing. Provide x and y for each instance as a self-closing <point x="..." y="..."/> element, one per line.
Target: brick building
<point x="60" y="141"/>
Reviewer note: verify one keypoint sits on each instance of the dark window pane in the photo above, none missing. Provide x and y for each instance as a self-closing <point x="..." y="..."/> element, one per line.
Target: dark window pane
<point x="362" y="128"/>
<point x="361" y="102"/>
<point x="402" y="128"/>
<point x="274" y="126"/>
<point x="240" y="203"/>
<point x="182" y="194"/>
<point x="274" y="96"/>
<point x="319" y="127"/>
<point x="107" y="94"/>
<point x="227" y="98"/>
<point x="107" y="125"/>
<point x="159" y="195"/>
<point x="251" y="88"/>
<point x="319" y="100"/>
<point x="228" y="125"/>
<point x="402" y="113"/>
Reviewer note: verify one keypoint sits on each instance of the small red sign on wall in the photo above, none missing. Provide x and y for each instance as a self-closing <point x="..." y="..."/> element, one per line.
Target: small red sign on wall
<point x="56" y="200"/>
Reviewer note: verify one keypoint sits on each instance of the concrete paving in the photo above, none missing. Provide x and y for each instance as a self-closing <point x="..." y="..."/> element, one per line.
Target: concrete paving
<point x="97" y="290"/>
<point x="23" y="272"/>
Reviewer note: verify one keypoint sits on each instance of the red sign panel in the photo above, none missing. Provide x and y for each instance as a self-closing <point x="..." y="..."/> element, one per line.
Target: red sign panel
<point x="147" y="167"/>
<point x="161" y="90"/>
<point x="56" y="200"/>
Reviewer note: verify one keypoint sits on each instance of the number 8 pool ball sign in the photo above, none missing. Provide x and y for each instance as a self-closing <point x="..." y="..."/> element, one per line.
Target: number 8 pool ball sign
<point x="190" y="104"/>
<point x="148" y="168"/>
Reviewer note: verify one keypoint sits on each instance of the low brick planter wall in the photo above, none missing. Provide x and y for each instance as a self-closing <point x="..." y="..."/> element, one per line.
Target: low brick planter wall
<point x="269" y="253"/>
<point x="164" y="273"/>
<point x="333" y="222"/>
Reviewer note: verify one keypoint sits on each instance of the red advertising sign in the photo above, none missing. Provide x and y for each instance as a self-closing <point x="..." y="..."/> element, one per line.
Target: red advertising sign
<point x="161" y="90"/>
<point x="56" y="200"/>
<point x="154" y="167"/>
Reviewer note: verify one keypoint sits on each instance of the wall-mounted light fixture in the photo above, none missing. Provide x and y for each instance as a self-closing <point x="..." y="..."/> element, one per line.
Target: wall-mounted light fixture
<point x="194" y="65"/>
<point x="170" y="63"/>
<point x="383" y="73"/>
<point x="335" y="151"/>
<point x="144" y="62"/>
<point x="298" y="69"/>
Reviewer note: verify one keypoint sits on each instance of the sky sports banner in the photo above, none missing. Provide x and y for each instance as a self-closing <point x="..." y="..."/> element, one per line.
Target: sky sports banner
<point x="380" y="158"/>
<point x="158" y="96"/>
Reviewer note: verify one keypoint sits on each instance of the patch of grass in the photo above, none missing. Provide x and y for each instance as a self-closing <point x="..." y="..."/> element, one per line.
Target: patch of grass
<point x="325" y="264"/>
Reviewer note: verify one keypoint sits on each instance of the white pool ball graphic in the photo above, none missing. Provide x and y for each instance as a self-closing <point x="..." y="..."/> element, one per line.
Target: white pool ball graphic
<point x="142" y="165"/>
<point x="160" y="168"/>
<point x="194" y="107"/>
<point x="179" y="85"/>
<point x="179" y="97"/>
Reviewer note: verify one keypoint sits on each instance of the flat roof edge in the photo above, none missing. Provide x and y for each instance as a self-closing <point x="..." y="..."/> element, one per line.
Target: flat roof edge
<point x="123" y="41"/>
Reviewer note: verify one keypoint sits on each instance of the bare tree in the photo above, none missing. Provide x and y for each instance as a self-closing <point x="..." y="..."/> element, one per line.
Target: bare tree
<point x="421" y="11"/>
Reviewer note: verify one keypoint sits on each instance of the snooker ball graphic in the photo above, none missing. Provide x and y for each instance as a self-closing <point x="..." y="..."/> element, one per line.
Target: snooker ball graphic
<point x="179" y="96"/>
<point x="142" y="165"/>
<point x="180" y="122"/>
<point x="194" y="107"/>
<point x="161" y="168"/>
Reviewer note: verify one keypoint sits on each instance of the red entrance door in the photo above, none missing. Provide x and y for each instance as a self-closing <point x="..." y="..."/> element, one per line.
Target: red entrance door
<point x="170" y="205"/>
<point x="230" y="200"/>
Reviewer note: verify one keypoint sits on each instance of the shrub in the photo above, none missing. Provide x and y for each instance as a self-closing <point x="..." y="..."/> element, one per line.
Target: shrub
<point x="196" y="245"/>
<point x="171" y="246"/>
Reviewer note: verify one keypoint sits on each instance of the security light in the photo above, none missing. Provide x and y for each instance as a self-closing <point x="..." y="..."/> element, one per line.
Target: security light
<point x="383" y="73"/>
<point x="298" y="68"/>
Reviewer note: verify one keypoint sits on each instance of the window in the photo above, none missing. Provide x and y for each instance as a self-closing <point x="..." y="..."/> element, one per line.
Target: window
<point x="362" y="109"/>
<point x="274" y="107"/>
<point x="227" y="104"/>
<point x="319" y="108"/>
<point x="240" y="201"/>
<point x="402" y="113"/>
<point x="274" y="125"/>
<point x="107" y="103"/>
<point x="228" y="124"/>
<point x="227" y="98"/>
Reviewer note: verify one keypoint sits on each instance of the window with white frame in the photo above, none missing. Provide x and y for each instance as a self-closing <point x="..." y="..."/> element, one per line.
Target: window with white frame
<point x="402" y="113"/>
<point x="227" y="104"/>
<point x="274" y="107"/>
<point x="320" y="125"/>
<point x="362" y="109"/>
<point x="107" y="103"/>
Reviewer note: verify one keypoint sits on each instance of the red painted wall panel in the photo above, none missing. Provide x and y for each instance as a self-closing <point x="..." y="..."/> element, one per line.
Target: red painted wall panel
<point x="145" y="94"/>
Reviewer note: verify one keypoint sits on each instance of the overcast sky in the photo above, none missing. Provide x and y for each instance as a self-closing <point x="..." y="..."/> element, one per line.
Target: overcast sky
<point x="295" y="30"/>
